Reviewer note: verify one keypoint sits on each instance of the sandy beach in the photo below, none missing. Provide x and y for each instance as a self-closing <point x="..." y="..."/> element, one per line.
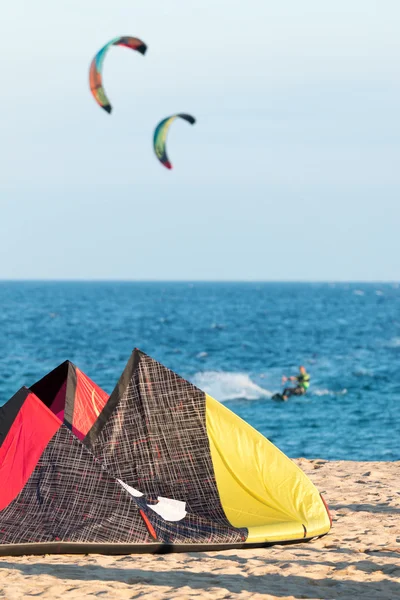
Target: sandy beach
<point x="360" y="558"/>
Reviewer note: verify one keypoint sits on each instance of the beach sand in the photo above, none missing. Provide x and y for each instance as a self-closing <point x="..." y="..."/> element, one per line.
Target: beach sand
<point x="360" y="558"/>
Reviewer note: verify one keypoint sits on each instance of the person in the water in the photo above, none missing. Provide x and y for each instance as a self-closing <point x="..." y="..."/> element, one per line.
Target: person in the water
<point x="303" y="383"/>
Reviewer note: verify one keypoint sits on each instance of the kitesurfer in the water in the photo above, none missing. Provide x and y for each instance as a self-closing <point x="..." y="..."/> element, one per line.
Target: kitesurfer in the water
<point x="303" y="382"/>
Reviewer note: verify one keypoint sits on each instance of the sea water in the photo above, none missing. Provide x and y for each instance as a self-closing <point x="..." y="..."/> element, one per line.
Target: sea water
<point x="233" y="340"/>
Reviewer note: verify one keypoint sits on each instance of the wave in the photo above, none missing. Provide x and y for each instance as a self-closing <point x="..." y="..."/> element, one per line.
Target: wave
<point x="325" y="392"/>
<point x="393" y="343"/>
<point x="361" y="372"/>
<point x="229" y="386"/>
<point x="219" y="326"/>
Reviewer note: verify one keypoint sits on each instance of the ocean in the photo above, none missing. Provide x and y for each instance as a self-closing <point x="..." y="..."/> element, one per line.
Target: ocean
<point x="233" y="340"/>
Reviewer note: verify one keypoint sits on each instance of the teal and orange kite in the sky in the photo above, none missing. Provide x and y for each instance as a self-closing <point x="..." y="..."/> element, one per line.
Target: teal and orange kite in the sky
<point x="95" y="77"/>
<point x="160" y="136"/>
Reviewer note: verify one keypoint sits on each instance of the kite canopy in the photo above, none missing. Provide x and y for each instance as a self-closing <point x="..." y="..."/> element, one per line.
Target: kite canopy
<point x="163" y="466"/>
<point x="161" y="133"/>
<point x="96" y="67"/>
<point x="72" y="397"/>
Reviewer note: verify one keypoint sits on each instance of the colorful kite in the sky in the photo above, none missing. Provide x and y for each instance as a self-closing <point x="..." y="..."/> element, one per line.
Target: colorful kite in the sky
<point x="160" y="136"/>
<point x="95" y="78"/>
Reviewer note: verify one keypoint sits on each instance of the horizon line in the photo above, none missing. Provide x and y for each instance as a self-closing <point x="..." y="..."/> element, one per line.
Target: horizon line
<point x="193" y="281"/>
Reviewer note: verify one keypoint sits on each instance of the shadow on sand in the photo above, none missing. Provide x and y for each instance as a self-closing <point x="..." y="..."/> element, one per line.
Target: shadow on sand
<point x="371" y="508"/>
<point x="274" y="584"/>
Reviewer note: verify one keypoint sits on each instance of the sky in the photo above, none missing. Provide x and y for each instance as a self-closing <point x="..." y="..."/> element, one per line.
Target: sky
<point x="290" y="173"/>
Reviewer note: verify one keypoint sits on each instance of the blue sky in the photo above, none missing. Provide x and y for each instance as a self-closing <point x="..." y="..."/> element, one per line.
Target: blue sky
<point x="291" y="172"/>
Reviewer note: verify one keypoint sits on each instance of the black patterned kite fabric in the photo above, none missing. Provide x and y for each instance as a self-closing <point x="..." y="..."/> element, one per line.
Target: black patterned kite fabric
<point x="155" y="440"/>
<point x="71" y="498"/>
